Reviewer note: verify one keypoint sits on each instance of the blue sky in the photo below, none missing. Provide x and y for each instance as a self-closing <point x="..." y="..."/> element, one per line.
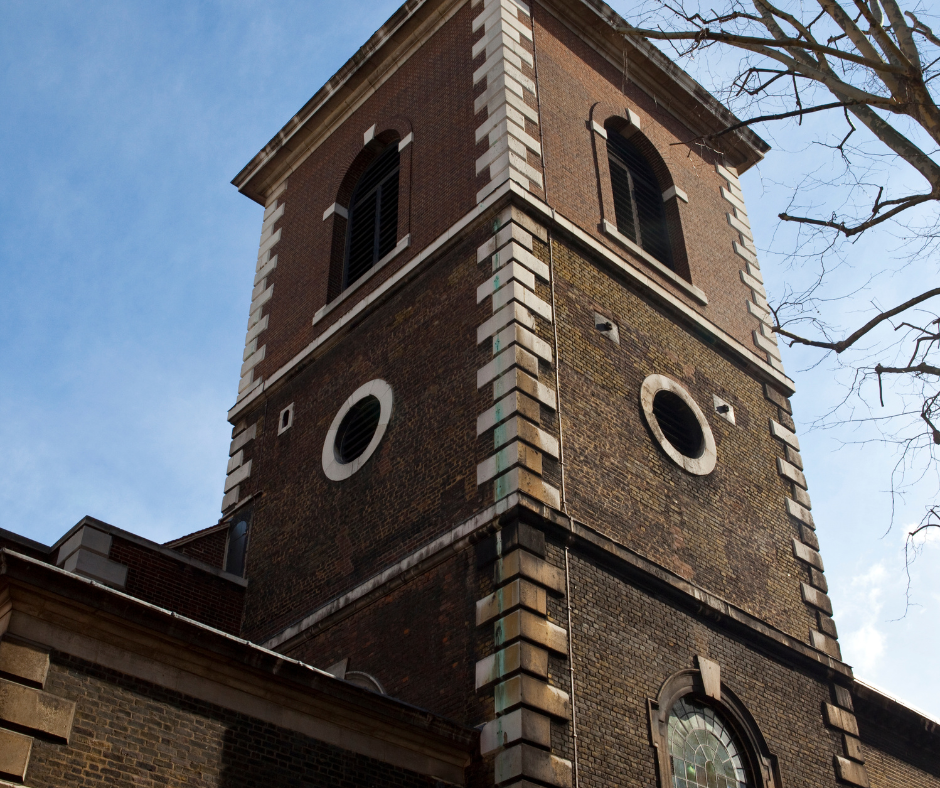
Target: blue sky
<point x="128" y="258"/>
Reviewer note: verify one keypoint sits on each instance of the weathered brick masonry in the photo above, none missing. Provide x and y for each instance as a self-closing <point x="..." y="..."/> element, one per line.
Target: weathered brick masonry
<point x="120" y="737"/>
<point x="380" y="568"/>
<point x="519" y="555"/>
<point x="708" y="529"/>
<point x="419" y="484"/>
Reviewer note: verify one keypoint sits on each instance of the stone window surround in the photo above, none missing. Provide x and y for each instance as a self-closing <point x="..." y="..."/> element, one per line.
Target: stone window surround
<point x="673" y="197"/>
<point x="705" y="685"/>
<point x="338" y="471"/>
<point x="698" y="466"/>
<point x="335" y="217"/>
<point x="281" y="426"/>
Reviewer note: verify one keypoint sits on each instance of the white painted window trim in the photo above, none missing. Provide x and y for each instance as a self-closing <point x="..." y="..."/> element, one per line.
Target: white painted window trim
<point x="336" y="208"/>
<point x="332" y="466"/>
<point x="698" y="466"/>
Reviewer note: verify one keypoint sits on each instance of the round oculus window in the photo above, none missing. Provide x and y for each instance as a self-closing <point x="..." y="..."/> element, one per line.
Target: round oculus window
<point x="678" y="425"/>
<point x="357" y="430"/>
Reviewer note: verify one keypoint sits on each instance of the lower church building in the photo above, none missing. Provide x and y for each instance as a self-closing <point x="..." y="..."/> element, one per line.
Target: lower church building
<point x="514" y="496"/>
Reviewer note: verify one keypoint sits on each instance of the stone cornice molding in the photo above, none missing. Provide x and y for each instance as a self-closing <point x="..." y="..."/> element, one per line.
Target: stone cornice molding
<point x="647" y="284"/>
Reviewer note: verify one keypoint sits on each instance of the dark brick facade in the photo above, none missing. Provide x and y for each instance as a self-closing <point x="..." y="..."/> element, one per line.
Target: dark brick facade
<point x="573" y="77"/>
<point x="184" y="588"/>
<point x="128" y="732"/>
<point x="209" y="548"/>
<point x="420" y="641"/>
<point x="432" y="91"/>
<point x="627" y="643"/>
<point x="713" y="530"/>
<point x="419" y="483"/>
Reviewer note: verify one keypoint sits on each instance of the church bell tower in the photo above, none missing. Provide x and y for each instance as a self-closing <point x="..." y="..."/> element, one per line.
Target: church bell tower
<point x="512" y="440"/>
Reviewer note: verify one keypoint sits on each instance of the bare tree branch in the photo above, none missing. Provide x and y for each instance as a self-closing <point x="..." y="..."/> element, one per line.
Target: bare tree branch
<point x="850" y="340"/>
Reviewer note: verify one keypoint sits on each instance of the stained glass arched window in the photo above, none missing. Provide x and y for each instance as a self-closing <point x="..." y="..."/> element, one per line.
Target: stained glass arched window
<point x="704" y="751"/>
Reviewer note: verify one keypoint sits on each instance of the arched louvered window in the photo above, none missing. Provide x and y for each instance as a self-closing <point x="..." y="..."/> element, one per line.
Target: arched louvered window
<point x="638" y="199"/>
<point x="373" y="215"/>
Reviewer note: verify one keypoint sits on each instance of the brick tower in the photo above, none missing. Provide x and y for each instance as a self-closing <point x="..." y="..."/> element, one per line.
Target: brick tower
<point x="512" y="440"/>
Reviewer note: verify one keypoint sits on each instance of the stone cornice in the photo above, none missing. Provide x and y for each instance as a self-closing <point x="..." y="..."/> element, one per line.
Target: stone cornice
<point x="415" y="21"/>
<point x="356" y="311"/>
<point x="148" y="545"/>
<point x="582" y="539"/>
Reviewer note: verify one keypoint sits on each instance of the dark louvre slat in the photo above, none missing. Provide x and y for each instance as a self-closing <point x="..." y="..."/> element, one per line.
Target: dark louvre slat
<point x="623" y="204"/>
<point x="678" y="423"/>
<point x="357" y="428"/>
<point x="361" y="239"/>
<point x="373" y="215"/>
<point x="382" y="166"/>
<point x="638" y="201"/>
<point x="388" y="216"/>
<point x="652" y="216"/>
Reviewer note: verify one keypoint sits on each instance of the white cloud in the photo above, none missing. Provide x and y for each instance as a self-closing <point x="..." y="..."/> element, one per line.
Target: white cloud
<point x="864" y="643"/>
<point x="867" y="647"/>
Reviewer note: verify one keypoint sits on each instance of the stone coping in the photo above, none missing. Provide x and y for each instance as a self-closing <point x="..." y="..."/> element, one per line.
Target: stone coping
<point x="100" y="525"/>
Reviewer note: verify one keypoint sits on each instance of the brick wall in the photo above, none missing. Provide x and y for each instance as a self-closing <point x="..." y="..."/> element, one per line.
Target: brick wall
<point x="727" y="531"/>
<point x="573" y="77"/>
<point x="128" y="732"/>
<point x="892" y="758"/>
<point x="432" y="92"/>
<point x="210" y="549"/>
<point x="626" y="643"/>
<point x="420" y="641"/>
<point x="179" y="587"/>
<point x="312" y="538"/>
